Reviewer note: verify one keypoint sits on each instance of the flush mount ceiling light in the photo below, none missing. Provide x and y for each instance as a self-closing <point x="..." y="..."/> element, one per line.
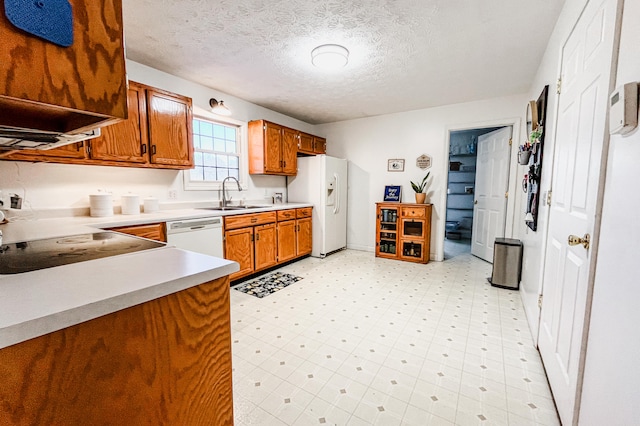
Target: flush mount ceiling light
<point x="218" y="107"/>
<point x="330" y="56"/>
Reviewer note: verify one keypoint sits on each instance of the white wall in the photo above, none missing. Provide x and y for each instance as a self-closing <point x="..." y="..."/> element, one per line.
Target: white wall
<point x="534" y="242"/>
<point x="611" y="394"/>
<point x="59" y="186"/>
<point x="369" y="142"/>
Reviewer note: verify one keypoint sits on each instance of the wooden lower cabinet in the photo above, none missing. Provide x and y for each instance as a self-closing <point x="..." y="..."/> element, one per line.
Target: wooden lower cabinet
<point x="287" y="240"/>
<point x="403" y="231"/>
<point x="263" y="240"/>
<point x="152" y="231"/>
<point x="239" y="248"/>
<point x="266" y="246"/>
<point x="303" y="236"/>
<point x="166" y="361"/>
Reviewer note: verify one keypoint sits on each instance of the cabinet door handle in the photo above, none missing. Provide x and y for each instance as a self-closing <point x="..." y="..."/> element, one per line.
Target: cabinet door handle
<point x="254" y="219"/>
<point x="153" y="150"/>
<point x="143" y="148"/>
<point x="257" y="237"/>
<point x="284" y="163"/>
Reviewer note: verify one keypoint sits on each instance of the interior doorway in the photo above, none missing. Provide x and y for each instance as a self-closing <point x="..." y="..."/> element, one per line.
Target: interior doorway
<point x="464" y="173"/>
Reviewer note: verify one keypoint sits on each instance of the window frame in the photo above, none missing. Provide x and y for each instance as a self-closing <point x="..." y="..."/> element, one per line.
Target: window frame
<point x="242" y="129"/>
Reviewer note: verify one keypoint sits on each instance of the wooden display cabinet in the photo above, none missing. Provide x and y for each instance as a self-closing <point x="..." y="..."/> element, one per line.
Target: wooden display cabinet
<point x="403" y="231"/>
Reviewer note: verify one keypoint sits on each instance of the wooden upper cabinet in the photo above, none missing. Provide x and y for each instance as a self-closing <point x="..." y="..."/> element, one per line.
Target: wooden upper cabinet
<point x="272" y="148"/>
<point x="65" y="89"/>
<point x="311" y="145"/>
<point x="126" y="141"/>
<point x="289" y="151"/>
<point x="305" y="143"/>
<point x="170" y="129"/>
<point x="66" y="153"/>
<point x="319" y="145"/>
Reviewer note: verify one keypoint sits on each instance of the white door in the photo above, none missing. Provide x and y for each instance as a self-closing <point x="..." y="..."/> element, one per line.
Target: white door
<point x="492" y="182"/>
<point x="580" y="132"/>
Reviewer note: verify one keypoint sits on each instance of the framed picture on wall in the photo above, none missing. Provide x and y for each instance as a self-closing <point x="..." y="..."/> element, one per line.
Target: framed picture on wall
<point x="395" y="165"/>
<point x="393" y="193"/>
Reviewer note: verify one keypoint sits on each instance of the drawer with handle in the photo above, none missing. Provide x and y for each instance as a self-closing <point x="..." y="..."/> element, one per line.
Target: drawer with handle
<point x="304" y="212"/>
<point x="245" y="220"/>
<point x="413" y="211"/>
<point x="286" y="214"/>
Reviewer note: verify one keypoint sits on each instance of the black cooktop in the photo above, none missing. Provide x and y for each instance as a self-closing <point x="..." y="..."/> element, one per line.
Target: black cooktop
<point x="27" y="256"/>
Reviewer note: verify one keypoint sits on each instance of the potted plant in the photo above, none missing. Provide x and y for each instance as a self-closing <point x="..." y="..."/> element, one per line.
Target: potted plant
<point x="419" y="189"/>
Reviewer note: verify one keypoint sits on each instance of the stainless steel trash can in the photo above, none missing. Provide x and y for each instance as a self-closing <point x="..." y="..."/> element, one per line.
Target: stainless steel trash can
<point x="507" y="263"/>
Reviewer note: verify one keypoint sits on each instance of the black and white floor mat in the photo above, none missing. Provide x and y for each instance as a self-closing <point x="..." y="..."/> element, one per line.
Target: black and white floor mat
<point x="267" y="284"/>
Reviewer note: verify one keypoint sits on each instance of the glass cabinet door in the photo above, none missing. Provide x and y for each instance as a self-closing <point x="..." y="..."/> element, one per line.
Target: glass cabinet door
<point x="413" y="250"/>
<point x="413" y="228"/>
<point x="388" y="231"/>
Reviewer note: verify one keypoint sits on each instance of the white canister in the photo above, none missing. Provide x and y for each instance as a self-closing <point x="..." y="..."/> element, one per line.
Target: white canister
<point x="130" y="204"/>
<point x="101" y="205"/>
<point x="151" y="204"/>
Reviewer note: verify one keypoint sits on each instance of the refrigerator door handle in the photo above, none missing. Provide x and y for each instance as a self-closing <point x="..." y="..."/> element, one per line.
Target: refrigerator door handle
<point x="336" y="207"/>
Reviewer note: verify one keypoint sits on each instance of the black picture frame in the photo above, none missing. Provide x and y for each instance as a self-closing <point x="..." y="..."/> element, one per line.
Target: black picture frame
<point x="532" y="183"/>
<point x="393" y="193"/>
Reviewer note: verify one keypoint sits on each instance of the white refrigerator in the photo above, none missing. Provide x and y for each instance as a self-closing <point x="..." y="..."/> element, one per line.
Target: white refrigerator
<point x="322" y="181"/>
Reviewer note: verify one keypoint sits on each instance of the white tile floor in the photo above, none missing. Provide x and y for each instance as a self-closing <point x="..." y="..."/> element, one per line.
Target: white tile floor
<point x="368" y="341"/>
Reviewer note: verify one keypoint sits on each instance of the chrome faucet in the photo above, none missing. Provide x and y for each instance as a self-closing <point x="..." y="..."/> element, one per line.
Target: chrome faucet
<point x="224" y="191"/>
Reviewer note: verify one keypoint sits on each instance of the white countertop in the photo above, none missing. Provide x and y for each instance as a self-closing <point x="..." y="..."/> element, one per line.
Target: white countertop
<point x="35" y="303"/>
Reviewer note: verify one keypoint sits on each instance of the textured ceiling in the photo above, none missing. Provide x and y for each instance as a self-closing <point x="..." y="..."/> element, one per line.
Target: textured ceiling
<point x="404" y="54"/>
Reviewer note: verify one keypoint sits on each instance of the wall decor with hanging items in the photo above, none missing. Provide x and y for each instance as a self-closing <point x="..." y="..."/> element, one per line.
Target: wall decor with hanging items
<point x="530" y="154"/>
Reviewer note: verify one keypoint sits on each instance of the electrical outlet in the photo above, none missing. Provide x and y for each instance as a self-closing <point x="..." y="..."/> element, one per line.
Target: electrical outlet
<point x="173" y="194"/>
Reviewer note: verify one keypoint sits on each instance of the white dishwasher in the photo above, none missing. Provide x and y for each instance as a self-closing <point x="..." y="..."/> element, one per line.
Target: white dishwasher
<point x="203" y="235"/>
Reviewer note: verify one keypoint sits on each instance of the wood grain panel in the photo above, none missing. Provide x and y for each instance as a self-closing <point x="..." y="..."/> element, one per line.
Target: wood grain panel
<point x="67" y="152"/>
<point x="167" y="361"/>
<point x="152" y="231"/>
<point x="304" y="236"/>
<point x="289" y="151"/>
<point x="305" y="143"/>
<point x="244" y="220"/>
<point x="273" y="148"/>
<point x="49" y="87"/>
<point x="266" y="244"/>
<point x="239" y="248"/>
<point x="286" y="214"/>
<point x="413" y="211"/>
<point x="286" y="241"/>
<point x="304" y="212"/>
<point x="255" y="136"/>
<point x="126" y="141"/>
<point x="170" y="128"/>
<point x="319" y="145"/>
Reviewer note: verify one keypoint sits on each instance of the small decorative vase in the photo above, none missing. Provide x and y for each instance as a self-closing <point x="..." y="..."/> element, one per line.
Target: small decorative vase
<point x="420" y="197"/>
<point x="523" y="157"/>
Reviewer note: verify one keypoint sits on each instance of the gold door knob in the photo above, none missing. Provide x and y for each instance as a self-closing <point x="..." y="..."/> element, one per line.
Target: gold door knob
<point x="574" y="240"/>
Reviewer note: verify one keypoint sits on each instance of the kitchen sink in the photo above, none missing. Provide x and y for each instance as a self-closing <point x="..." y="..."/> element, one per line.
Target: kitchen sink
<point x="228" y="208"/>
